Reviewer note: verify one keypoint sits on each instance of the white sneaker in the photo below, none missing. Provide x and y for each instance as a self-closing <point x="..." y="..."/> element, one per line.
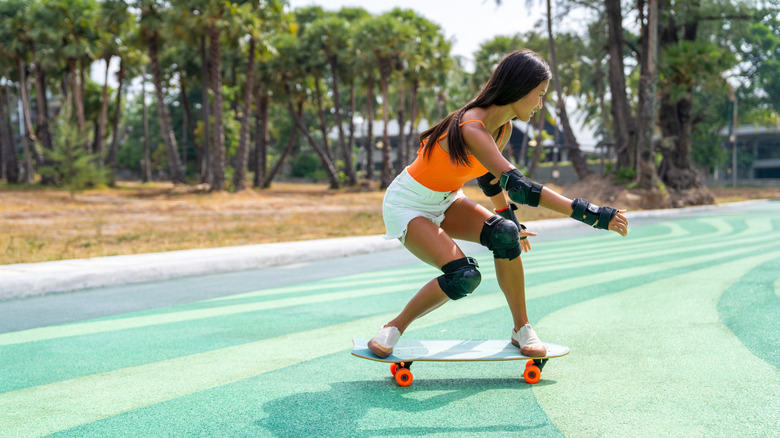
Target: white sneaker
<point x="383" y="343"/>
<point x="527" y="341"/>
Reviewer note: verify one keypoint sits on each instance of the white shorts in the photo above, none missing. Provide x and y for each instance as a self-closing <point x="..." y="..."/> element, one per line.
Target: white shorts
<point x="406" y="199"/>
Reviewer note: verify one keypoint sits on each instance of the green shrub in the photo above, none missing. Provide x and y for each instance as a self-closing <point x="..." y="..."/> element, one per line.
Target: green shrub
<point x="69" y="164"/>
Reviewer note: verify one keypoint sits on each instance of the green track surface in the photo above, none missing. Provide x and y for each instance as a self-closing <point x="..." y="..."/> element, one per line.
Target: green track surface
<point x="674" y="331"/>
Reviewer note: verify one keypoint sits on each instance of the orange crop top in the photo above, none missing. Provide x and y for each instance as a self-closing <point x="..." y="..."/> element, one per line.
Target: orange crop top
<point x="437" y="172"/>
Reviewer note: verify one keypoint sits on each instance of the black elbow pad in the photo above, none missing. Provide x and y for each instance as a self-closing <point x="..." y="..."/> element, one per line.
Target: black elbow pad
<point x="487" y="188"/>
<point x="521" y="189"/>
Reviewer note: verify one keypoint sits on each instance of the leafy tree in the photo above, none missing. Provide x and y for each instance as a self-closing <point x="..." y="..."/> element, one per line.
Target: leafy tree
<point x="686" y="62"/>
<point x="623" y="123"/>
<point x="757" y="44"/>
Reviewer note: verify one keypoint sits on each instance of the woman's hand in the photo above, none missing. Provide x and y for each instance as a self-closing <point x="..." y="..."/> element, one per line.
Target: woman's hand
<point x="619" y="223"/>
<point x="525" y="244"/>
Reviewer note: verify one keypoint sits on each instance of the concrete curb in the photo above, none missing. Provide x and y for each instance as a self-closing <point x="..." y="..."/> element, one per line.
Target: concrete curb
<point x="30" y="279"/>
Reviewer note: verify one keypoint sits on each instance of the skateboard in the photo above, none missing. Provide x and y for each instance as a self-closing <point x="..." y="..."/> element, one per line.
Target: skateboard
<point x="462" y="350"/>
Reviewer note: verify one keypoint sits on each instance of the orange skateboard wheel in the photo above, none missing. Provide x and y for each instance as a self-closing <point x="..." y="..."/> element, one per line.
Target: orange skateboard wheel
<point x="403" y="377"/>
<point x="529" y="363"/>
<point x="532" y="374"/>
<point x="393" y="369"/>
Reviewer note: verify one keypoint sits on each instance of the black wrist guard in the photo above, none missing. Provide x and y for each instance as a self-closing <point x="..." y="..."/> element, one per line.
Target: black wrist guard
<point x="509" y="213"/>
<point x="521" y="189"/>
<point x="591" y="214"/>
<point x="487" y="188"/>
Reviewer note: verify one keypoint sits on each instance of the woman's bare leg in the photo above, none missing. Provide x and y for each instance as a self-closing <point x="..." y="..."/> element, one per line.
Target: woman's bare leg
<point x="432" y="245"/>
<point x="464" y="220"/>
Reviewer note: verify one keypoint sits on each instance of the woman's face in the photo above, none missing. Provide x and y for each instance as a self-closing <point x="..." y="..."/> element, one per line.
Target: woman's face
<point x="526" y="107"/>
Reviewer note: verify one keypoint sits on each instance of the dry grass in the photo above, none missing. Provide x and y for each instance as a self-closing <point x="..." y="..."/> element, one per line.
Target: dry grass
<point x="42" y="224"/>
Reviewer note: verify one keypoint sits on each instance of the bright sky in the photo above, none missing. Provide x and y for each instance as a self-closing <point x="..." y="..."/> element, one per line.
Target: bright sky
<point x="467" y="22"/>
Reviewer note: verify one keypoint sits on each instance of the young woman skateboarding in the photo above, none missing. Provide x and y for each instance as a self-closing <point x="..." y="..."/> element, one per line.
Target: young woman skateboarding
<point x="425" y="208"/>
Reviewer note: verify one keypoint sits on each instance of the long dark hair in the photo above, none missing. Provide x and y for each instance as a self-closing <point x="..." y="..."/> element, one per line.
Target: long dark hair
<point x="514" y="77"/>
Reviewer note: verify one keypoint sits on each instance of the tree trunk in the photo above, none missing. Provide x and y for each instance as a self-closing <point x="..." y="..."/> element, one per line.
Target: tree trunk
<point x="28" y="136"/>
<point x="411" y="142"/>
<point x="146" y="164"/>
<point x="603" y="109"/>
<point x="185" y="123"/>
<point x="321" y="116"/>
<point x="327" y="163"/>
<point x="646" y="112"/>
<point x="387" y="164"/>
<point x="369" y="140"/>
<point x="403" y="151"/>
<point x="10" y="160"/>
<point x="206" y="170"/>
<point x="242" y="155"/>
<point x="218" y="136"/>
<point x="166" y="129"/>
<point x="78" y="99"/>
<point x="42" y="109"/>
<point x="346" y="149"/>
<point x="42" y="118"/>
<point x="579" y="162"/>
<point x="676" y="129"/>
<point x="352" y="112"/>
<point x="539" y="146"/>
<point x="261" y="138"/>
<point x="676" y="119"/>
<point x="622" y="121"/>
<point x="103" y="119"/>
<point x="522" y="156"/>
<point x="113" y="149"/>
<point x="290" y="144"/>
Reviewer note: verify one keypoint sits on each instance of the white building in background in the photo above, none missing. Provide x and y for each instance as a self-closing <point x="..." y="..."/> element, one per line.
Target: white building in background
<point x="758" y="155"/>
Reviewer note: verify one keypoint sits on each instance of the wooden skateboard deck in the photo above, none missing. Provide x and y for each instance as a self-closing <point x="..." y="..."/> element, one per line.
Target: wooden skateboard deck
<point x="407" y="352"/>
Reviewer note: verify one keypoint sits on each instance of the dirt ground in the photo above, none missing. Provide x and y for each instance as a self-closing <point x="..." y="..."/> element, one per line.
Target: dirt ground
<point x="44" y="224"/>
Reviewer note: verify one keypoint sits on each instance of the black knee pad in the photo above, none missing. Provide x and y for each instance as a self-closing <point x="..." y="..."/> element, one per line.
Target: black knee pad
<point x="460" y="278"/>
<point x="501" y="236"/>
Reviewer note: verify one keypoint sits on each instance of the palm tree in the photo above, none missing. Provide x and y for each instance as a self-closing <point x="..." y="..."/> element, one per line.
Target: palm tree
<point x="364" y="71"/>
<point x="151" y="22"/>
<point x="387" y="37"/>
<point x="16" y="41"/>
<point x="9" y="162"/>
<point x="296" y="86"/>
<point x="131" y="60"/>
<point x="113" y="20"/>
<point x="273" y="20"/>
<point x="249" y="24"/>
<point x="74" y="34"/>
<point x="45" y="60"/>
<point x="331" y="34"/>
<point x="428" y="51"/>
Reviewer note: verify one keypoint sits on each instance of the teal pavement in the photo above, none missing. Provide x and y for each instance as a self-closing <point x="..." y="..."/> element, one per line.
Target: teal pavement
<point x="674" y="331"/>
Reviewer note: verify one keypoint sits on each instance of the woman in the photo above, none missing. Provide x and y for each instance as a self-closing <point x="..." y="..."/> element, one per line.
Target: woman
<point x="425" y="208"/>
